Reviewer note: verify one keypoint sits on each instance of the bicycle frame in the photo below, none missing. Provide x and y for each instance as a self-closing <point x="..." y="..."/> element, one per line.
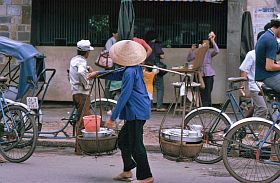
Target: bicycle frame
<point x="72" y="117"/>
<point x="274" y="124"/>
<point x="262" y="142"/>
<point x="233" y="102"/>
<point x="2" y="111"/>
<point x="3" y="104"/>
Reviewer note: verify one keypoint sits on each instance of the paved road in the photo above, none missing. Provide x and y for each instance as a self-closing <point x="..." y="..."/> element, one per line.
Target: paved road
<point x="60" y="165"/>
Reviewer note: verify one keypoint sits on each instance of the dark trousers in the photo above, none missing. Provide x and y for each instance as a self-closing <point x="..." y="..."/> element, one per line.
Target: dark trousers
<point x="82" y="104"/>
<point x="107" y="93"/>
<point x="130" y="142"/>
<point x="206" y="92"/>
<point x="159" y="86"/>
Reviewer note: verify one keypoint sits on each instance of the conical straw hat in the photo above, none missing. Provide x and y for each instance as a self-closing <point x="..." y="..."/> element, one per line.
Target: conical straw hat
<point x="127" y="53"/>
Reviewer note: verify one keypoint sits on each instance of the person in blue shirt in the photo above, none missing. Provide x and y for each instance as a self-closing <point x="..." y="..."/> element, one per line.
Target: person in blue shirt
<point x="133" y="106"/>
<point x="267" y="69"/>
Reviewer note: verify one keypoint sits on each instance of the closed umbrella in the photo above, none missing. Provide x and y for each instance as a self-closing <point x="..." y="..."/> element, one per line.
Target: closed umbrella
<point x="126" y="20"/>
<point x="247" y="35"/>
<point x="125" y="30"/>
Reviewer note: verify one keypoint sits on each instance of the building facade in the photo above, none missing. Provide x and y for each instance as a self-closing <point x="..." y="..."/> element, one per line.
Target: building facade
<point x="22" y="20"/>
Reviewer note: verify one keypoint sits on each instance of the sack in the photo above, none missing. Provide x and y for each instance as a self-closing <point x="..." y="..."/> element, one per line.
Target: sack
<point x="163" y="66"/>
<point x="104" y="60"/>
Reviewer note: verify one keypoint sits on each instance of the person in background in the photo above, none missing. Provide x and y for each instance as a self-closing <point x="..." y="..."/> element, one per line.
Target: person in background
<point x="133" y="106"/>
<point x="149" y="76"/>
<point x="248" y="71"/>
<point x="112" y="88"/>
<point x="151" y="38"/>
<point x="112" y="40"/>
<point x="144" y="44"/>
<point x="267" y="69"/>
<point x="207" y="69"/>
<point x="80" y="86"/>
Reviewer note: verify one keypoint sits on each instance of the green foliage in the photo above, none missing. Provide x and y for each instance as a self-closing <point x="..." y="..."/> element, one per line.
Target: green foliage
<point x="99" y="23"/>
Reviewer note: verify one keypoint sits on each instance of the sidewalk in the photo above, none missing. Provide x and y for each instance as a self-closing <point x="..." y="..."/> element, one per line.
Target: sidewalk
<point x="53" y="113"/>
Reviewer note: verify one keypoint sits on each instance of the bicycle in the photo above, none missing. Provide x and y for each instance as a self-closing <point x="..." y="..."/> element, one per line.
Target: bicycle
<point x="18" y="131"/>
<point x="215" y="123"/>
<point x="251" y="146"/>
<point x="99" y="106"/>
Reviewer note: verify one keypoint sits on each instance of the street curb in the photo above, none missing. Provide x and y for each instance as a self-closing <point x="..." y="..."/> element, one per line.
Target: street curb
<point x="55" y="143"/>
<point x="71" y="143"/>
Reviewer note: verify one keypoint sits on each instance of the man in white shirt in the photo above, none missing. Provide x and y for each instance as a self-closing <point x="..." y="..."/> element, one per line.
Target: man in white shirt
<point x="248" y="70"/>
<point x="80" y="86"/>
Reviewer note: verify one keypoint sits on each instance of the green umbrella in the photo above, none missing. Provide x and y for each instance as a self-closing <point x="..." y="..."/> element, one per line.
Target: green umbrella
<point x="126" y="20"/>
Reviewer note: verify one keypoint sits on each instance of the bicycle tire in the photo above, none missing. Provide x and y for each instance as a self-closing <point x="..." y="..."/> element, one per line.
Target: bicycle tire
<point x="241" y="156"/>
<point x="212" y="142"/>
<point x="19" y="143"/>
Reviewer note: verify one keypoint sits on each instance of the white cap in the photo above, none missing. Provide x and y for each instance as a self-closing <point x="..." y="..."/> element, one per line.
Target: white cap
<point x="84" y="45"/>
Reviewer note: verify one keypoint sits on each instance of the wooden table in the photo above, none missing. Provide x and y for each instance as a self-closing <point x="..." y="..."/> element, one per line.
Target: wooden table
<point x="193" y="87"/>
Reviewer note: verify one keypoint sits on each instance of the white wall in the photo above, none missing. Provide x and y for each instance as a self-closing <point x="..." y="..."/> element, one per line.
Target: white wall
<point x="59" y="58"/>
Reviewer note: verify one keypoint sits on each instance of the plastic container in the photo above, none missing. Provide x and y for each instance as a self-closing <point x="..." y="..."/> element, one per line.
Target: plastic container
<point x="92" y="123"/>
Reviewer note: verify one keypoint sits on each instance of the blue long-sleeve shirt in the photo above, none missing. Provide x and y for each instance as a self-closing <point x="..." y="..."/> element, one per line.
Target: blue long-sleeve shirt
<point x="134" y="102"/>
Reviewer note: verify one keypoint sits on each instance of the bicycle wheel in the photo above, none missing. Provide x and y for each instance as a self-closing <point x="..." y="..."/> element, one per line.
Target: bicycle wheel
<point x="242" y="157"/>
<point x="214" y="126"/>
<point x="18" y="141"/>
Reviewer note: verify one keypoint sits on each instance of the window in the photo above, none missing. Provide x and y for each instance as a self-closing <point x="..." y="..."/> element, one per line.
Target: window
<point x="179" y="24"/>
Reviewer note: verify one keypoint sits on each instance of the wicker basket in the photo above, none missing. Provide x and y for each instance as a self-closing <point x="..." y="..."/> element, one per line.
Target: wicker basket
<point x="90" y="145"/>
<point x="172" y="148"/>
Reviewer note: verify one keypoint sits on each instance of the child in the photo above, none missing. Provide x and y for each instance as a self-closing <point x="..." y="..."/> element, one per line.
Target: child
<point x="149" y="75"/>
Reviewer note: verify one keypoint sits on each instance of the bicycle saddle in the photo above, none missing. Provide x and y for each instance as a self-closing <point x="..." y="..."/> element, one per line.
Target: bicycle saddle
<point x="237" y="79"/>
<point x="3" y="79"/>
<point x="270" y="92"/>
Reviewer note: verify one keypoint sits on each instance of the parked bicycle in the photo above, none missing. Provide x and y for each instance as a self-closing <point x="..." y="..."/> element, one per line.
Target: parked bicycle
<point x="30" y="79"/>
<point x="251" y="146"/>
<point x="99" y="106"/>
<point x="18" y="131"/>
<point x="215" y="123"/>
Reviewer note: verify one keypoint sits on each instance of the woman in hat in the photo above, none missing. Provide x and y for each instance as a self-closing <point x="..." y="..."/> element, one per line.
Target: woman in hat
<point x="133" y="106"/>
